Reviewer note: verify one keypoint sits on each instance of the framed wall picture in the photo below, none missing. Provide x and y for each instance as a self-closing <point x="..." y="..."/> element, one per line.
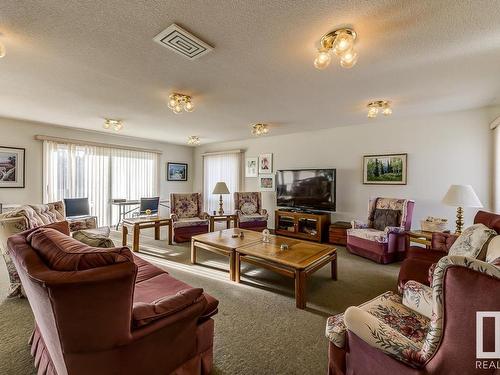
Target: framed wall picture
<point x="251" y="167"/>
<point x="265" y="163"/>
<point x="266" y="182"/>
<point x="385" y="169"/>
<point x="177" y="171"/>
<point x="12" y="164"/>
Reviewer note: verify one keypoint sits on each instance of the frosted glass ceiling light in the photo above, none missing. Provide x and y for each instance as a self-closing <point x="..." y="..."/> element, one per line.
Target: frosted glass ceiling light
<point x="179" y="102"/>
<point x="341" y="43"/>
<point x="383" y="106"/>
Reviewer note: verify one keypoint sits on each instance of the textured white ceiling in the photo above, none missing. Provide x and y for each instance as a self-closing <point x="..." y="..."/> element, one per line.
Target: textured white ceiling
<point x="75" y="62"/>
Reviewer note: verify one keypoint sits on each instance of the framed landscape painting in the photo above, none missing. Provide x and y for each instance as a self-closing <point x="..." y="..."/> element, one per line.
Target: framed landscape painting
<point x="177" y="171"/>
<point x="251" y="167"/>
<point x="389" y="169"/>
<point x="12" y="167"/>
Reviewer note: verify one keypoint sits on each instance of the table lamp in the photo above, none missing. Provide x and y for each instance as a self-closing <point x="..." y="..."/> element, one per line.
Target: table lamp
<point x="461" y="196"/>
<point x="220" y="188"/>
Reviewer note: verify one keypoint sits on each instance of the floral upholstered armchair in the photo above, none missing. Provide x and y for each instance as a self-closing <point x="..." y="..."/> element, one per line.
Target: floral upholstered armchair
<point x="188" y="217"/>
<point x="382" y="239"/>
<point x="33" y="216"/>
<point x="249" y="211"/>
<point x="427" y="330"/>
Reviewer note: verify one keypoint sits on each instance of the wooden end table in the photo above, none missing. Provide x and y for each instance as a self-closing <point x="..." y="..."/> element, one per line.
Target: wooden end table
<point x="224" y="217"/>
<point x="299" y="261"/>
<point x="142" y="223"/>
<point x="421" y="236"/>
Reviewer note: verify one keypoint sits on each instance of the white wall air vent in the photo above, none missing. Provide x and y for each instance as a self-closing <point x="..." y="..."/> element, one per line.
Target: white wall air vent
<point x="180" y="41"/>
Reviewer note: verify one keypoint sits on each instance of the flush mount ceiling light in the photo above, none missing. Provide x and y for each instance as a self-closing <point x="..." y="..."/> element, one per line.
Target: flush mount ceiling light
<point x="377" y="106"/>
<point x="341" y="43"/>
<point x="2" y="50"/>
<point x="116" y="125"/>
<point x="179" y="102"/>
<point x="193" y="140"/>
<point x="259" y="129"/>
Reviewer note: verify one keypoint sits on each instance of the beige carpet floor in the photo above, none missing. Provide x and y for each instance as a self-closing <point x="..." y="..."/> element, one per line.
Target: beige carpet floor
<point x="258" y="330"/>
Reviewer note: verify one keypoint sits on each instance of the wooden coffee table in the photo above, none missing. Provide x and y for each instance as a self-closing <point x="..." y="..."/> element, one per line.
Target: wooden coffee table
<point x="299" y="261"/>
<point x="222" y="242"/>
<point x="142" y="223"/>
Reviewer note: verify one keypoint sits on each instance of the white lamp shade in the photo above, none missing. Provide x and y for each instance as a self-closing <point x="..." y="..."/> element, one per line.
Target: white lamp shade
<point x="461" y="196"/>
<point x="220" y="188"/>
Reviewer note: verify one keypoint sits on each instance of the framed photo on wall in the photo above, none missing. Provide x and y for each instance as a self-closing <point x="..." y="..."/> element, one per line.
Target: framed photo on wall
<point x="12" y="166"/>
<point x="251" y="167"/>
<point x="385" y="169"/>
<point x="266" y="182"/>
<point x="177" y="171"/>
<point x="265" y="163"/>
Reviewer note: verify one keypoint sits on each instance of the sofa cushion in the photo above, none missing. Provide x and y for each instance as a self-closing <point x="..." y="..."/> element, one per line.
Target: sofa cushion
<point x="369" y="234"/>
<point x="94" y="237"/>
<point x="145" y="270"/>
<point x="493" y="249"/>
<point x="253" y="217"/>
<point x="383" y="218"/>
<point x="144" y="313"/>
<point x="190" y="222"/>
<point x="164" y="285"/>
<point x="63" y="253"/>
<point x="471" y="242"/>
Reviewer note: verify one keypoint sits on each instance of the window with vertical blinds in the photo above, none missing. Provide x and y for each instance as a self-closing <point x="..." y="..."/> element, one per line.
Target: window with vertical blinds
<point x="221" y="167"/>
<point x="99" y="174"/>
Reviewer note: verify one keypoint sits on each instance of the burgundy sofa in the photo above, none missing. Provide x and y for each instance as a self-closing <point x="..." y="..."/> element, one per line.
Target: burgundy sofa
<point x="106" y="311"/>
<point x="419" y="260"/>
<point x="381" y="246"/>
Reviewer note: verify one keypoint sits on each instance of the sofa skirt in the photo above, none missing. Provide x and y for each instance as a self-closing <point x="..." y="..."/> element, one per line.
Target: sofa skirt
<point x="184" y="234"/>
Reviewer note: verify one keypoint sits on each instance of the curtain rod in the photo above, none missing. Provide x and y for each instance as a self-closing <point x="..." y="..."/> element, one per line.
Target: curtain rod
<point x="222" y="152"/>
<point x="97" y="144"/>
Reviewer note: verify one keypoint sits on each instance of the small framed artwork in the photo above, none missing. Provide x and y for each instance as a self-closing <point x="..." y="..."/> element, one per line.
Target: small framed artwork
<point x="266" y="182"/>
<point x="12" y="166"/>
<point x="251" y="167"/>
<point x="177" y="171"/>
<point x="265" y="163"/>
<point x="385" y="169"/>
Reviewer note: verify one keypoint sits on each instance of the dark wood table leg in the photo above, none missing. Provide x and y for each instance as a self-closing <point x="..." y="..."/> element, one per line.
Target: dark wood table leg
<point x="170" y="233"/>
<point x="228" y="222"/>
<point x="135" y="243"/>
<point x="237" y="267"/>
<point x="157" y="231"/>
<point x="333" y="266"/>
<point x="124" y="235"/>
<point x="193" y="252"/>
<point x="300" y="289"/>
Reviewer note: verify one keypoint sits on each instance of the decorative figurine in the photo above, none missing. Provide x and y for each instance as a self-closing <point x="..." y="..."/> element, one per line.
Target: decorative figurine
<point x="266" y="236"/>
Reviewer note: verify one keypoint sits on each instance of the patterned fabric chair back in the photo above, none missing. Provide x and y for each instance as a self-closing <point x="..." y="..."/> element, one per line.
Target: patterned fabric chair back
<point x="253" y="197"/>
<point x="186" y="205"/>
<point x="391" y="204"/>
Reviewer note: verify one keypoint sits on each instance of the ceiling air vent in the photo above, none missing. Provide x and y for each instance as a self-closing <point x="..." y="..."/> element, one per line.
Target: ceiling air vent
<point x="180" y="41"/>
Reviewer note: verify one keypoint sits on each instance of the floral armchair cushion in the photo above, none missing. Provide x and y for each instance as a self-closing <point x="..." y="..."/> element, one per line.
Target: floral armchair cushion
<point x="249" y="206"/>
<point x="187" y="206"/>
<point x="471" y="242"/>
<point x="393" y="204"/>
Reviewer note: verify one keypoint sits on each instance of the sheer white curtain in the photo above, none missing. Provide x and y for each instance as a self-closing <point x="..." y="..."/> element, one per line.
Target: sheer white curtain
<point x="99" y="173"/>
<point x="221" y="167"/>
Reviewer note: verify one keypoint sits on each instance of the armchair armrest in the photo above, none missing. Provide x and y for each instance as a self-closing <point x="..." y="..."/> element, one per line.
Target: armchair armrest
<point x="442" y="241"/>
<point x="262" y="211"/>
<point x="174" y="217"/>
<point x="8" y="227"/>
<point x="204" y="216"/>
<point x="396" y="230"/>
<point x="381" y="336"/>
<point x="358" y="224"/>
<point x="418" y="297"/>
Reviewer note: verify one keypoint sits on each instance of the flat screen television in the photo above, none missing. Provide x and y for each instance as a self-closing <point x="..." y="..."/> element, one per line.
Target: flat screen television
<point x="306" y="189"/>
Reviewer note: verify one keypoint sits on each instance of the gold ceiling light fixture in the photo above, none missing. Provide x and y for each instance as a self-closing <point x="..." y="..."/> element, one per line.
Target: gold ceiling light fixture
<point x="260" y="129"/>
<point x="116" y="125"/>
<point x="193" y="140"/>
<point x="2" y="50"/>
<point x="180" y="102"/>
<point x="377" y="106"/>
<point x="339" y="42"/>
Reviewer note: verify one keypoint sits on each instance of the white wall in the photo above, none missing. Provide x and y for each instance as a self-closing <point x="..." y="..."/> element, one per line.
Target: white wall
<point x="17" y="133"/>
<point x="454" y="148"/>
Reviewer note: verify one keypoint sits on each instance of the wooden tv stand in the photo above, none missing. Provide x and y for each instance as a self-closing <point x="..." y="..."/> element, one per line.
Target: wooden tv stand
<point x="306" y="226"/>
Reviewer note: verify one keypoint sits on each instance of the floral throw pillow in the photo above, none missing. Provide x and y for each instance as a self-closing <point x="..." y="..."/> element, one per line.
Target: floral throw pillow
<point x="493" y="251"/>
<point x="471" y="241"/>
<point x="248" y="208"/>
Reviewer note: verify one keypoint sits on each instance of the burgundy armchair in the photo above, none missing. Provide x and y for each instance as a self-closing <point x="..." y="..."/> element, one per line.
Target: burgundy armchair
<point x="382" y="246"/>
<point x="112" y="313"/>
<point x="426" y="331"/>
<point x="419" y="260"/>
